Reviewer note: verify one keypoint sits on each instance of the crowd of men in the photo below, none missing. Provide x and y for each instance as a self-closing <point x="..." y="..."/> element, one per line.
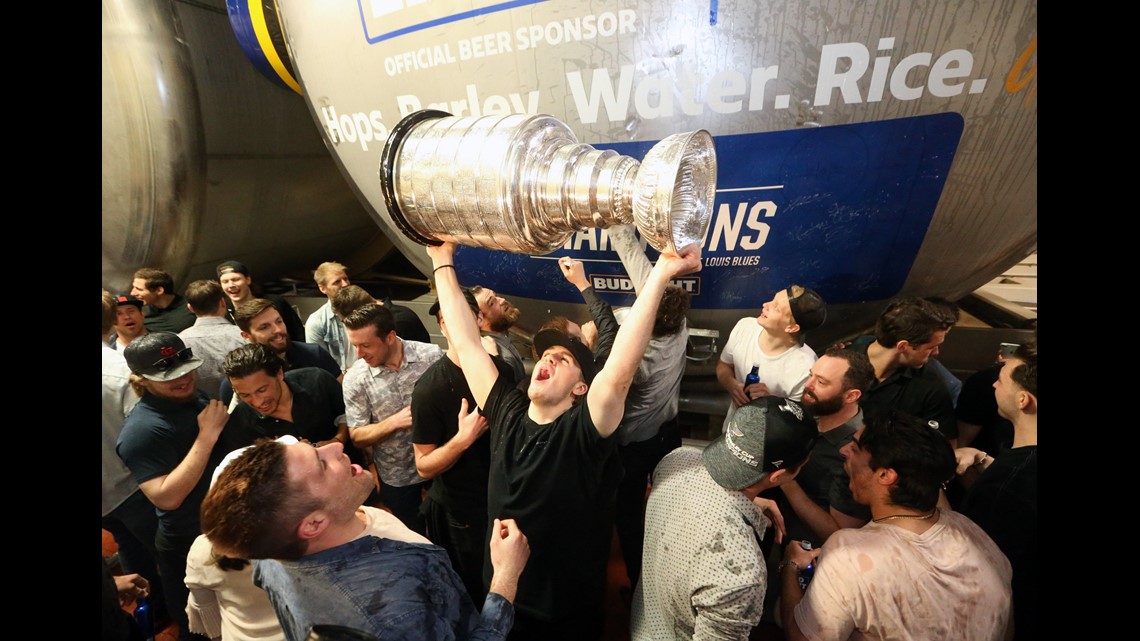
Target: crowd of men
<point x="349" y="471"/>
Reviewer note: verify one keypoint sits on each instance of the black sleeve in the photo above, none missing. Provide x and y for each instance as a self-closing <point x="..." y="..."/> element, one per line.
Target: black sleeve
<point x="327" y="362"/>
<point x="408" y="324"/>
<point x="603" y="316"/>
<point x="293" y="323"/>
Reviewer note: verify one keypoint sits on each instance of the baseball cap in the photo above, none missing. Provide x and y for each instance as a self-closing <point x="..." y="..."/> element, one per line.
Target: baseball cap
<point x="232" y="266"/>
<point x="548" y="338"/>
<point x="160" y="356"/>
<point x="768" y="434"/>
<point x="808" y="309"/>
<point x="474" y="304"/>
<point x="127" y="299"/>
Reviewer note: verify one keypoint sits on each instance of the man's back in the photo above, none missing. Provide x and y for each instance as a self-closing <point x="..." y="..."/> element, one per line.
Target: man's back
<point x="1003" y="502"/>
<point x="703" y="575"/>
<point x="172" y="318"/>
<point x="211" y="338"/>
<point x="883" y="582"/>
<point x="653" y="397"/>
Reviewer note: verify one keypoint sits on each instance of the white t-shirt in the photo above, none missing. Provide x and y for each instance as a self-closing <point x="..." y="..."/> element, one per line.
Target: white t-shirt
<point x="784" y="373"/>
<point x="381" y="523"/>
<point x="950" y="583"/>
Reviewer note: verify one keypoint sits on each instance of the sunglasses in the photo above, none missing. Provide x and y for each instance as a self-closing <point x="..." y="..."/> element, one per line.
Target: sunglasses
<point x="164" y="364"/>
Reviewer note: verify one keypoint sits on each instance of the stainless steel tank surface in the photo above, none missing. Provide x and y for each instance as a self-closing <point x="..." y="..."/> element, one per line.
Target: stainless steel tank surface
<point x="865" y="150"/>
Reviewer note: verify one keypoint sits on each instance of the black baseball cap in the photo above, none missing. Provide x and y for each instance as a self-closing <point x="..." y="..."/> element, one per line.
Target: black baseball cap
<point x="548" y="338"/>
<point x="160" y="356"/>
<point x="808" y="309"/>
<point x="127" y="299"/>
<point x="232" y="266"/>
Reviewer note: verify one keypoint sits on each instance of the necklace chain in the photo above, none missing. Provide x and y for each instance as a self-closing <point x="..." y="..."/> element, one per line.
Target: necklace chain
<point x="917" y="517"/>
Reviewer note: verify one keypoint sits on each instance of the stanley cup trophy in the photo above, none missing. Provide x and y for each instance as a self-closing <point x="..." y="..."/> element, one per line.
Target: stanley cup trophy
<point x="524" y="184"/>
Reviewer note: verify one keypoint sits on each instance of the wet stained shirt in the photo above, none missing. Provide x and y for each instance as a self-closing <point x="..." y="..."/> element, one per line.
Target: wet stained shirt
<point x="703" y="575"/>
<point x="950" y="583"/>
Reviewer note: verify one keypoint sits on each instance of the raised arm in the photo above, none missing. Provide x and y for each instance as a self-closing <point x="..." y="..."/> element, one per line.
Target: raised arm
<point x="632" y="255"/>
<point x="600" y="311"/>
<point x="606" y="397"/>
<point x="478" y="368"/>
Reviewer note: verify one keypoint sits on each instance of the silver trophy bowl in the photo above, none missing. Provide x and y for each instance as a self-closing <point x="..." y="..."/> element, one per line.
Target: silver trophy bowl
<point x="525" y="184"/>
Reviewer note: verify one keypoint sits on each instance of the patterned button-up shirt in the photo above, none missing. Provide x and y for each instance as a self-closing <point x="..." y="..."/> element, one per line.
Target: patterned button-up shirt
<point x="372" y="394"/>
<point x="703" y="574"/>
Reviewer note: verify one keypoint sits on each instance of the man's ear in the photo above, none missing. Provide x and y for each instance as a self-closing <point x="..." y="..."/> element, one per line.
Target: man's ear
<point x="852" y="395"/>
<point x="776" y="477"/>
<point x="580" y="388"/>
<point x="792" y="329"/>
<point x="313" y="525"/>
<point x="1026" y="402"/>
<point x="246" y="336"/>
<point x="902" y="346"/>
<point x="886" y="476"/>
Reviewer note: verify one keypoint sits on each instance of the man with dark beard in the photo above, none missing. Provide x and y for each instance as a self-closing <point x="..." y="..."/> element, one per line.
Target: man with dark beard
<point x="819" y="496"/>
<point x="499" y="316"/>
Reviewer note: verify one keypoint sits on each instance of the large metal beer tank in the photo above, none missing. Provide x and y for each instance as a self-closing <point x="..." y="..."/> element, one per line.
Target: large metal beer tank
<point x="205" y="160"/>
<point x="865" y="149"/>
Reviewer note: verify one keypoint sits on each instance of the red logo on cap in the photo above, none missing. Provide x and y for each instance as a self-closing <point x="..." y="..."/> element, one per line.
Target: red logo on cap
<point x="122" y="299"/>
<point x="168" y="352"/>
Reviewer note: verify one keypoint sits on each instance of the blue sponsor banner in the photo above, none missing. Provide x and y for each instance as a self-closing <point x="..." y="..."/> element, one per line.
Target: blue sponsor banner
<point x="840" y="209"/>
<point x="385" y="19"/>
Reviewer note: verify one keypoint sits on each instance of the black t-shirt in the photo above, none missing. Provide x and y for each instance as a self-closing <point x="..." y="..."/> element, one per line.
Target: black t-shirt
<point x="318" y="400"/>
<point x="172" y="318"/>
<point x="1003" y="501"/>
<point x="157" y="435"/>
<point x="408" y="324"/>
<point x="919" y="392"/>
<point x="462" y="489"/>
<point x="559" y="482"/>
<point x="977" y="405"/>
<point x="825" y="482"/>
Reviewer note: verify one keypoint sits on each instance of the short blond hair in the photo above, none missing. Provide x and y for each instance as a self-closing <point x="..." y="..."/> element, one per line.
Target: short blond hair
<point x="324" y="270"/>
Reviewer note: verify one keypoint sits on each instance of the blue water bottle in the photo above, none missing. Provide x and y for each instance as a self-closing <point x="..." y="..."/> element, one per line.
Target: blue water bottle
<point x="805" y="574"/>
<point x="144" y="618"/>
<point x="753" y="376"/>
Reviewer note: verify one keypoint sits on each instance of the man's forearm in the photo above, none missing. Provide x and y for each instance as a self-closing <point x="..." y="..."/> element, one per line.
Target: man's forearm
<point x="373" y="433"/>
<point x="790" y="597"/>
<point x="816" y="518"/>
<point x="442" y="458"/>
<point x="168" y="492"/>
